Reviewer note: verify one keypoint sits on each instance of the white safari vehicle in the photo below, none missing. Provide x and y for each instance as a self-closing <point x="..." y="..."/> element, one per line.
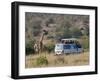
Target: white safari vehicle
<point x="68" y="46"/>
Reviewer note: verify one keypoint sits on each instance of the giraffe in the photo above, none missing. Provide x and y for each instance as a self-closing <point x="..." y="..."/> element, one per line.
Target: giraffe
<point x="41" y="40"/>
<point x="38" y="47"/>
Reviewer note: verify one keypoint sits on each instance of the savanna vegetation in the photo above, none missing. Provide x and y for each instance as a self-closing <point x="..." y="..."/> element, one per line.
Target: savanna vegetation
<point x="58" y="26"/>
<point x="51" y="60"/>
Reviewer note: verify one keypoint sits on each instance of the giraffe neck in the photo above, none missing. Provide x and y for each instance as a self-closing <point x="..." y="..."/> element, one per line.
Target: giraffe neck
<point x="42" y="36"/>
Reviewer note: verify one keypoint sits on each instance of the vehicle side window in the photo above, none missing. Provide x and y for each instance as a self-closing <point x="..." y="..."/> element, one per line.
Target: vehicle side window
<point x="75" y="46"/>
<point x="67" y="46"/>
<point x="79" y="46"/>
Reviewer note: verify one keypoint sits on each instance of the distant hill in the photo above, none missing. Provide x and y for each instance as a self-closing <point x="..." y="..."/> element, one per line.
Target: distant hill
<point x="58" y="26"/>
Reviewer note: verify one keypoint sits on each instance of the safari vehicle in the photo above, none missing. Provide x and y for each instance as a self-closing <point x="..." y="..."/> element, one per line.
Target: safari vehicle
<point x="68" y="46"/>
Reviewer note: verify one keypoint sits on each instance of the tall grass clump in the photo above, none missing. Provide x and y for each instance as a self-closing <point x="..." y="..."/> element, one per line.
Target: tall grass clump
<point x="41" y="60"/>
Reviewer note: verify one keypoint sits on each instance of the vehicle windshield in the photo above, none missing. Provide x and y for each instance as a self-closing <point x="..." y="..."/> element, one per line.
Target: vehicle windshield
<point x="59" y="47"/>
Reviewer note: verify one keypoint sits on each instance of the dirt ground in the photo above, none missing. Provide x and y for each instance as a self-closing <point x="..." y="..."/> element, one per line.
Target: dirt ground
<point x="58" y="60"/>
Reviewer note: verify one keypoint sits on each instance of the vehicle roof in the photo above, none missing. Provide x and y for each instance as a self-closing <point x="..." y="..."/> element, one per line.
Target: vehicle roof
<point x="70" y="39"/>
<point x="64" y="44"/>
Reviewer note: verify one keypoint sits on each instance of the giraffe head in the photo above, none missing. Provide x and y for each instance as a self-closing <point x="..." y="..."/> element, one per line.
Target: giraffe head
<point x="45" y="32"/>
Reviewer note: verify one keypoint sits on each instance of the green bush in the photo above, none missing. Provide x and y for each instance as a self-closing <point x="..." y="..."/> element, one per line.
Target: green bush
<point x="76" y="33"/>
<point x="29" y="48"/>
<point x="41" y="61"/>
<point x="59" y="59"/>
<point x="85" y="42"/>
<point x="49" y="47"/>
<point x="50" y="37"/>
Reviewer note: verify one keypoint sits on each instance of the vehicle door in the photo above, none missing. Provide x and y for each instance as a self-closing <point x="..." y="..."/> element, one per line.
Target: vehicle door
<point x="67" y="48"/>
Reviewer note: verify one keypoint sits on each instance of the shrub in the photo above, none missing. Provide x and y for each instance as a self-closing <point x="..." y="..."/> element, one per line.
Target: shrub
<point x="41" y="61"/>
<point x="59" y="59"/>
<point x="49" y="47"/>
<point x="76" y="32"/>
<point x="50" y="37"/>
<point x="29" y="48"/>
<point x="85" y="42"/>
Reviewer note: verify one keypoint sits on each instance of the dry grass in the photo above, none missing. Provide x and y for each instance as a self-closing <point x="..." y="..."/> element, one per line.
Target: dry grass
<point x="58" y="60"/>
